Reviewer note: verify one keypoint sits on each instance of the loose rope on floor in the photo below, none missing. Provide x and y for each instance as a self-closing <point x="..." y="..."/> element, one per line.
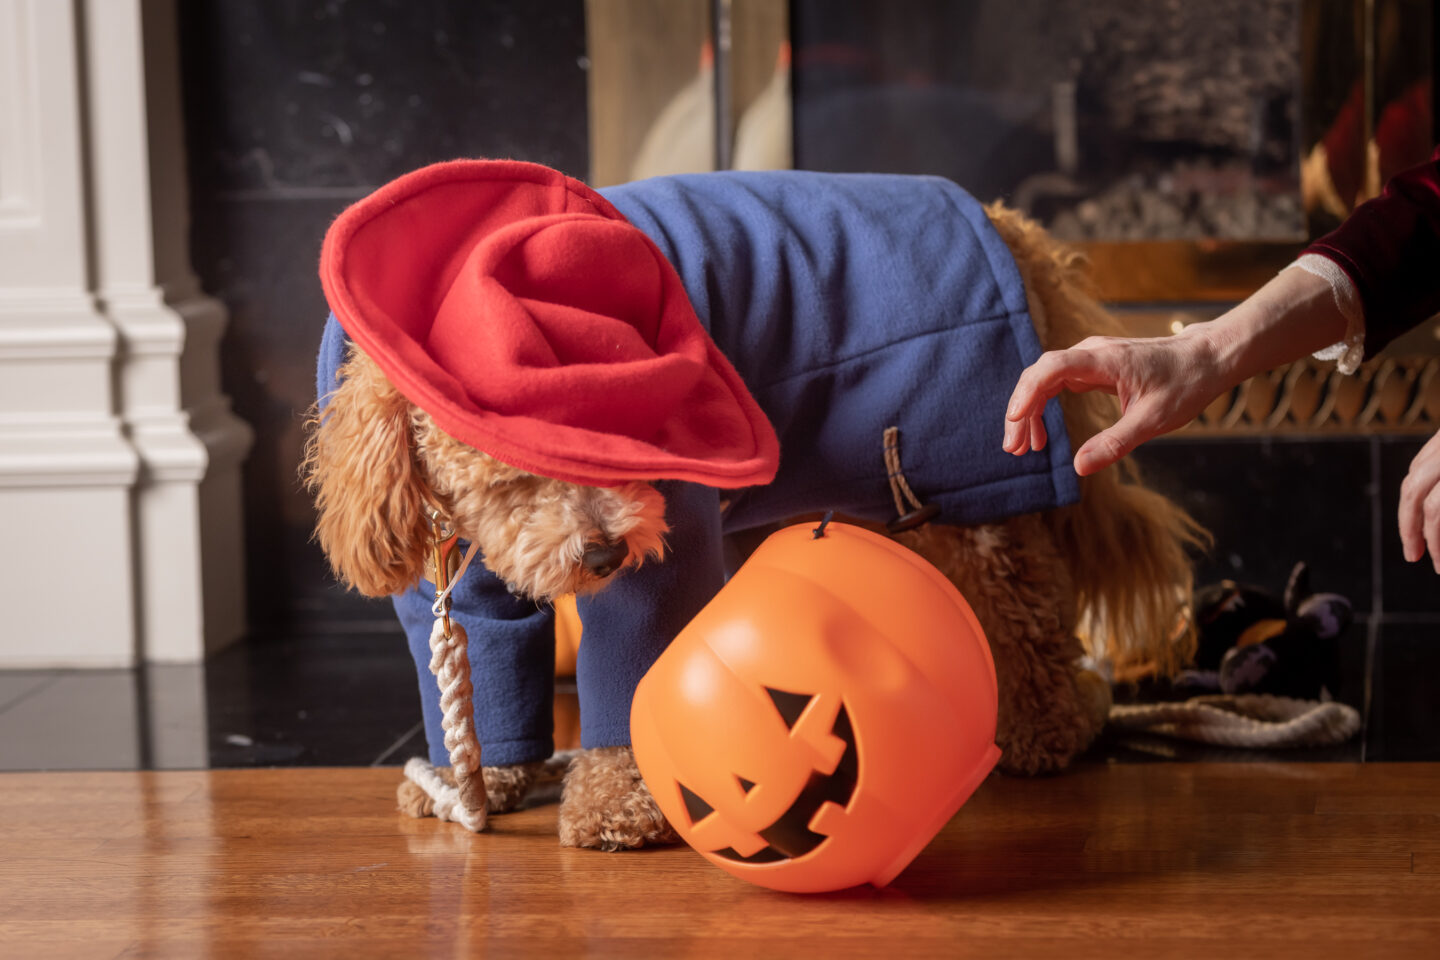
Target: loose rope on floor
<point x="1252" y="721"/>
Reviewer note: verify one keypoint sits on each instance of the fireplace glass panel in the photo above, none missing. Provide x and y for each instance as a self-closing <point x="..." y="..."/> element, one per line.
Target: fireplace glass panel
<point x="1181" y="123"/>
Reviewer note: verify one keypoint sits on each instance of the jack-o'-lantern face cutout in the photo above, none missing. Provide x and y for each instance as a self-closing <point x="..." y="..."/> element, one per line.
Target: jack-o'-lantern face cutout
<point x="823" y="717"/>
<point x="790" y="835"/>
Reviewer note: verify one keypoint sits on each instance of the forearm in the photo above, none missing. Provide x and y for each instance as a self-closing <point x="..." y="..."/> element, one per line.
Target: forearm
<point x="1291" y="317"/>
<point x="1383" y="259"/>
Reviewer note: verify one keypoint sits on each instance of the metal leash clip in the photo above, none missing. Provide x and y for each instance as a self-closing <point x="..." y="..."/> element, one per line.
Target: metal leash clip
<point x="443" y="562"/>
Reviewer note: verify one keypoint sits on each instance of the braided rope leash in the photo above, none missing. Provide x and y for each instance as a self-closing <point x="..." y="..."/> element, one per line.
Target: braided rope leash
<point x="1248" y="720"/>
<point x="464" y="803"/>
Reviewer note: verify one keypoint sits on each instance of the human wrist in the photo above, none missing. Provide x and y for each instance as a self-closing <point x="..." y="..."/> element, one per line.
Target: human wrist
<point x="1290" y="317"/>
<point x="1217" y="351"/>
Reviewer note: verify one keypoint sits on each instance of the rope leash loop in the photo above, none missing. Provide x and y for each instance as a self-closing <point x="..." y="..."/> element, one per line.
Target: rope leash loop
<point x="466" y="802"/>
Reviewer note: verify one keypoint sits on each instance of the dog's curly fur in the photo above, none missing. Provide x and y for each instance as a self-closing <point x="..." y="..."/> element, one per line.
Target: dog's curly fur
<point x="1114" y="566"/>
<point x="606" y="805"/>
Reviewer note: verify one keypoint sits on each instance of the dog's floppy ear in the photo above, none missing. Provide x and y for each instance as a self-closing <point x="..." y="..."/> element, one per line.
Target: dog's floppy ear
<point x="360" y="466"/>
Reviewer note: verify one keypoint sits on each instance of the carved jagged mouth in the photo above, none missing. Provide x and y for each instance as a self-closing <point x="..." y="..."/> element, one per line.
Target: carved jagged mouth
<point x="790" y="835"/>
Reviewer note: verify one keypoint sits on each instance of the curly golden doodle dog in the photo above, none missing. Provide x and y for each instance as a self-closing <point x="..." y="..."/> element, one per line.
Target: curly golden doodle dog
<point x="518" y="352"/>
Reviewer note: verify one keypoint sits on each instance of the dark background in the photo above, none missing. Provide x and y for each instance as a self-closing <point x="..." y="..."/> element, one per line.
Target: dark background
<point x="293" y="111"/>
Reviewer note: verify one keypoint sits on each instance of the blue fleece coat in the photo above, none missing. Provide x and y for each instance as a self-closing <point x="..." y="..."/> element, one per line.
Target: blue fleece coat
<point x="848" y="303"/>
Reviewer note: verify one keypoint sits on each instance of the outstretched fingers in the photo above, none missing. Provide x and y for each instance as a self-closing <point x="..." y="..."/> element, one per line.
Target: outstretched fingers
<point x="1075" y="370"/>
<point x="1432" y="525"/>
<point x="1420" y="505"/>
<point x="1055" y="371"/>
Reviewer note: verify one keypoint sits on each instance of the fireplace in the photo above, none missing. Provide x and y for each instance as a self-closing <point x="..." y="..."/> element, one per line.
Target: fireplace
<point x="1190" y="149"/>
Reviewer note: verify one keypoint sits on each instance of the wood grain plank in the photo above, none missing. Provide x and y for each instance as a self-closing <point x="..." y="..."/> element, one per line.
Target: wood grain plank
<point x="1161" y="860"/>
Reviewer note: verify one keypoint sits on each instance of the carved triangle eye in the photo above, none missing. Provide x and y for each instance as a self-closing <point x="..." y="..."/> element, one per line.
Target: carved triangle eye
<point x="790" y="705"/>
<point x="745" y="785"/>
<point x="697" y="809"/>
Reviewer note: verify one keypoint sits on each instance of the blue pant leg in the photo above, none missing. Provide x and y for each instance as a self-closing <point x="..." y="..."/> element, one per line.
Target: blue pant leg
<point x="512" y="667"/>
<point x="626" y="626"/>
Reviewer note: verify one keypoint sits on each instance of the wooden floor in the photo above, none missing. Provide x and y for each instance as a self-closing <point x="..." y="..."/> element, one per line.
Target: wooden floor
<point x="1136" y="861"/>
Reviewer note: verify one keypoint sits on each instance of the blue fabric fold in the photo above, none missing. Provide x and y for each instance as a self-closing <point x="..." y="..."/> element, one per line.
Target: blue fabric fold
<point x="854" y="302"/>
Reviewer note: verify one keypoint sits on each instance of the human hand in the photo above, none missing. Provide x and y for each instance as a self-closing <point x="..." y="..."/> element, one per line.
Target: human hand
<point x="1163" y="383"/>
<point x="1420" y="505"/>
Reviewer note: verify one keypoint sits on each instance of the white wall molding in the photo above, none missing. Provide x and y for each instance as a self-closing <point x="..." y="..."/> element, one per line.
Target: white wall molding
<point x="66" y="467"/>
<point x="19" y="118"/>
<point x="53" y="325"/>
<point x="119" y="455"/>
<point x="190" y="445"/>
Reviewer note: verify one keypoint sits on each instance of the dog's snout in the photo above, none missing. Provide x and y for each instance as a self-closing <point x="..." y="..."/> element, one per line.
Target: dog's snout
<point x="603" y="559"/>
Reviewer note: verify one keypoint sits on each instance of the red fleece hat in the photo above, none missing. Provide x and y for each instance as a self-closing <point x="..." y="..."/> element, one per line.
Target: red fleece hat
<point x="532" y="321"/>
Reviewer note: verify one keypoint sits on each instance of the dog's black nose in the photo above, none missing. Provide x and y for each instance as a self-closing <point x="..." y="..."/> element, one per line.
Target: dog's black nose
<point x="603" y="559"/>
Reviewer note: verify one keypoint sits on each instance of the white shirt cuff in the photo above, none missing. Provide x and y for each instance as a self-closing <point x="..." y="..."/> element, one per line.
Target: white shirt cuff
<point x="1348" y="352"/>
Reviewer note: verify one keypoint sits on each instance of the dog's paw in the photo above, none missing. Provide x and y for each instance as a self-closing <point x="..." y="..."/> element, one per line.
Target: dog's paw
<point x="1047" y="739"/>
<point x="606" y="806"/>
<point x="505" y="787"/>
<point x="412" y="801"/>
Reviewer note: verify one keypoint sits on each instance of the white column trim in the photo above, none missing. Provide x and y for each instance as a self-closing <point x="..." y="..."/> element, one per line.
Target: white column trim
<point x="66" y="467"/>
<point x="119" y="455"/>
<point x="188" y="544"/>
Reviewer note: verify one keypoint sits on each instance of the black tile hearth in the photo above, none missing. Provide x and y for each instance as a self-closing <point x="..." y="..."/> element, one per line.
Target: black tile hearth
<point x="350" y="699"/>
<point x="412" y="744"/>
<point x="17" y="685"/>
<point x="306" y="701"/>
<point x="1409" y="587"/>
<point x="1404" y="710"/>
<point x="1272" y="502"/>
<point x="336" y="700"/>
<point x="83" y="720"/>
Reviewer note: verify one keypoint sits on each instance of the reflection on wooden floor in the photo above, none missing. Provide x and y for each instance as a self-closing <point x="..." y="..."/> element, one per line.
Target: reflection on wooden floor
<point x="1325" y="860"/>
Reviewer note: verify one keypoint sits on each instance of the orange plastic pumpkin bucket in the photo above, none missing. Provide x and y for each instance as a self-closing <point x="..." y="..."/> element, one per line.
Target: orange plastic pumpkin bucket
<point x="823" y="717"/>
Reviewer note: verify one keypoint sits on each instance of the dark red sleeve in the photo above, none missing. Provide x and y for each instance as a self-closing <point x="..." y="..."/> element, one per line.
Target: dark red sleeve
<point x="1390" y="250"/>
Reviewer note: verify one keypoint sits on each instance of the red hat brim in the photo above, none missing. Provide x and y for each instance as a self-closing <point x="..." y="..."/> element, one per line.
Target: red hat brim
<point x="532" y="321"/>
